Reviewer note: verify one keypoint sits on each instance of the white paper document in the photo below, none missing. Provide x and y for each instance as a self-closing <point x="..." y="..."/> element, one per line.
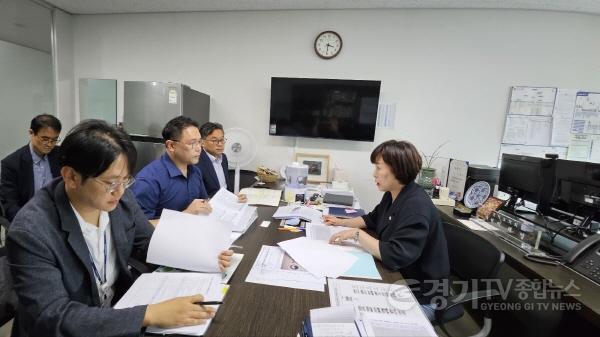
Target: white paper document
<point x="319" y="257"/>
<point x="334" y="321"/>
<point x="274" y="267"/>
<point x="226" y="275"/>
<point x="377" y="327"/>
<point x="586" y="115"/>
<point x="153" y="288"/>
<point x="300" y="212"/>
<point x="528" y="130"/>
<point x="562" y="118"/>
<point x="188" y="241"/>
<point x="534" y="101"/>
<point x="387" y="306"/>
<point x="262" y="196"/>
<point x="225" y="207"/>
<point x="364" y="267"/>
<point x="322" y="232"/>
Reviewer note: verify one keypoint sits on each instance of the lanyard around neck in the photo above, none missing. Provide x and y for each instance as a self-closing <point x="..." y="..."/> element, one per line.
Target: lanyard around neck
<point x="102" y="280"/>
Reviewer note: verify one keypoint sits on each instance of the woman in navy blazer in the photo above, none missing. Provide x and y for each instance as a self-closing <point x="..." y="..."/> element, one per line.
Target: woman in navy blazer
<point x="409" y="236"/>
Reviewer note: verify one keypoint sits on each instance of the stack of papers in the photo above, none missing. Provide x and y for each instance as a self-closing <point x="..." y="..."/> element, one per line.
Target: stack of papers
<point x="274" y="267"/>
<point x="364" y="267"/>
<point x="319" y="257"/>
<point x="262" y="196"/>
<point x="225" y="207"/>
<point x="339" y="321"/>
<point x="299" y="212"/>
<point x="384" y="309"/>
<point x="226" y="275"/>
<point x="158" y="287"/>
<point x="189" y="242"/>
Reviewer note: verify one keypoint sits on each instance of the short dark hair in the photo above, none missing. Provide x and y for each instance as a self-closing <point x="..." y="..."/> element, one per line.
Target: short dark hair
<point x="45" y="121"/>
<point x="401" y="156"/>
<point x="208" y="128"/>
<point x="92" y="146"/>
<point x="174" y="127"/>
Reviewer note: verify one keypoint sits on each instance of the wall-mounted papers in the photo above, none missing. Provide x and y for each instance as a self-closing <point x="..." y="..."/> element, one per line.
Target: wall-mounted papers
<point x="274" y="267"/>
<point x="188" y="241"/>
<point x="262" y="196"/>
<point x="318" y="257"/>
<point x="153" y="288"/>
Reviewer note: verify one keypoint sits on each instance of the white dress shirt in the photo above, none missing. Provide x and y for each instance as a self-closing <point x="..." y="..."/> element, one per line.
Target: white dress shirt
<point x="218" y="166"/>
<point x="94" y="238"/>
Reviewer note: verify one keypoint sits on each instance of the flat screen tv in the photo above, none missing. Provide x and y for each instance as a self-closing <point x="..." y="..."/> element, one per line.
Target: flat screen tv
<point x="324" y="108"/>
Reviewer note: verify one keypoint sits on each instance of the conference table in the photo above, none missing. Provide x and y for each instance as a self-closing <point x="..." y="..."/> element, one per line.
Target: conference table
<point x="251" y="309"/>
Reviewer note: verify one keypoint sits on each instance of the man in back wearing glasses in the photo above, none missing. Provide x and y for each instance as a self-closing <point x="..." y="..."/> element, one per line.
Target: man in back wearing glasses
<point x="31" y="167"/>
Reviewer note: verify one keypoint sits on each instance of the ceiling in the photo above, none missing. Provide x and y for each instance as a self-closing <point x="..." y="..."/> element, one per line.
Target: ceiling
<point x="25" y="23"/>
<point x="156" y="6"/>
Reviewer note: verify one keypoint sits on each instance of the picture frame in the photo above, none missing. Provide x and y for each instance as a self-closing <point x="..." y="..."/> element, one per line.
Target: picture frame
<point x="318" y="166"/>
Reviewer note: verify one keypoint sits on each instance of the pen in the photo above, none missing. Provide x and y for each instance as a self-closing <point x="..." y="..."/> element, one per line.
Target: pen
<point x="210" y="303"/>
<point x="236" y="246"/>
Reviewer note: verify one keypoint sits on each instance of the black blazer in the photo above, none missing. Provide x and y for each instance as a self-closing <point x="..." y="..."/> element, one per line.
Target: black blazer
<point x="412" y="239"/>
<point x="16" y="178"/>
<point x="209" y="176"/>
<point x="51" y="268"/>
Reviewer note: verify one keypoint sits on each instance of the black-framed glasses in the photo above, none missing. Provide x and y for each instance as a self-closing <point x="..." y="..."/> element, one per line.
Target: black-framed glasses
<point x="217" y="141"/>
<point x="48" y="140"/>
<point x="112" y="186"/>
<point x="191" y="145"/>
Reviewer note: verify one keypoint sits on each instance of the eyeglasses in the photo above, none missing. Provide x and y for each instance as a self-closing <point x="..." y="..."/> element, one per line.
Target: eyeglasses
<point x="112" y="186"/>
<point x="191" y="145"/>
<point x="217" y="141"/>
<point x="48" y="140"/>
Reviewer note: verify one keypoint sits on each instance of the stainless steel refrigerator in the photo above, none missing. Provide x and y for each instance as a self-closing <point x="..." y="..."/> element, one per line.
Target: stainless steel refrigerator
<point x="148" y="106"/>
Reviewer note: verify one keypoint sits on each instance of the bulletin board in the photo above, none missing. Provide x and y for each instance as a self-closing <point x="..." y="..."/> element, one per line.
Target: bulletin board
<point x="541" y="120"/>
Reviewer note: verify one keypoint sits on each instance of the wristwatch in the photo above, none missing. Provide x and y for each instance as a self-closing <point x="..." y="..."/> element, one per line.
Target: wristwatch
<point x="356" y="235"/>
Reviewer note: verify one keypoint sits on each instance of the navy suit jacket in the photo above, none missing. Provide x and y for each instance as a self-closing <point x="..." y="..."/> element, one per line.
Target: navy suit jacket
<point x="51" y="268"/>
<point x="209" y="176"/>
<point x="16" y="178"/>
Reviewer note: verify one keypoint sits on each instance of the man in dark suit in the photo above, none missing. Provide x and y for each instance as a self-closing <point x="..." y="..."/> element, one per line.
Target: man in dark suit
<point x="29" y="168"/>
<point x="65" y="282"/>
<point x="213" y="162"/>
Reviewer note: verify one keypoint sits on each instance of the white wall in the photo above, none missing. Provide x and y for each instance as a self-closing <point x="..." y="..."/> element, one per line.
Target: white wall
<point x="63" y="69"/>
<point x="26" y="90"/>
<point x="449" y="71"/>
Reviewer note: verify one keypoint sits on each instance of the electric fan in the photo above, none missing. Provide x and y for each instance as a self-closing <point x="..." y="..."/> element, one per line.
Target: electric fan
<point x="240" y="150"/>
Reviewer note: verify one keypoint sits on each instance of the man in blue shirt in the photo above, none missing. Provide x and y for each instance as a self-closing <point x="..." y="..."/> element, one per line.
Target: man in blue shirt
<point x="29" y="168"/>
<point x="173" y="181"/>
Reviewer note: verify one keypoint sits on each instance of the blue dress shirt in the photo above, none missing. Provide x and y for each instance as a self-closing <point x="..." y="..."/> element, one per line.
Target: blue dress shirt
<point x="41" y="170"/>
<point x="161" y="185"/>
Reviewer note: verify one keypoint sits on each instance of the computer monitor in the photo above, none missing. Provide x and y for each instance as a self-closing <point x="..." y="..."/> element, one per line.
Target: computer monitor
<point x="523" y="177"/>
<point x="577" y="189"/>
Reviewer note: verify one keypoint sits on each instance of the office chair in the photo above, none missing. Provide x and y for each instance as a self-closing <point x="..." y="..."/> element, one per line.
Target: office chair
<point x="472" y="260"/>
<point x="8" y="297"/>
<point x="4" y="223"/>
<point x="246" y="178"/>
